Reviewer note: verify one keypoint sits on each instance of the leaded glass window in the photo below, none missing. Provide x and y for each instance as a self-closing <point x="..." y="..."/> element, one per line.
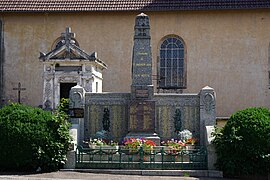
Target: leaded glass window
<point x="172" y="64"/>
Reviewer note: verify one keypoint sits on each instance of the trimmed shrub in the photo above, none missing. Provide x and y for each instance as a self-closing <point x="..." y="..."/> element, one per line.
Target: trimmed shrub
<point x="243" y="145"/>
<point x="31" y="138"/>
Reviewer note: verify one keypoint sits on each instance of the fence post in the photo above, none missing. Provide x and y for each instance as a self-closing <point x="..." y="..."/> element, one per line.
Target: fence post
<point x="162" y="157"/>
<point x="141" y="153"/>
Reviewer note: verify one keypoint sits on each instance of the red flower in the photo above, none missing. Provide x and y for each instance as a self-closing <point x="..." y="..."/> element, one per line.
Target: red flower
<point x="191" y="141"/>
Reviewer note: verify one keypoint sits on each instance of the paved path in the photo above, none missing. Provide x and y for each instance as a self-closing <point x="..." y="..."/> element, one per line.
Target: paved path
<point x="62" y="175"/>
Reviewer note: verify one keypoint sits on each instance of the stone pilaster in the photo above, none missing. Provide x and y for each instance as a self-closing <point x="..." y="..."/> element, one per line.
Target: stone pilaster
<point x="211" y="156"/>
<point x="207" y="110"/>
<point x="76" y="106"/>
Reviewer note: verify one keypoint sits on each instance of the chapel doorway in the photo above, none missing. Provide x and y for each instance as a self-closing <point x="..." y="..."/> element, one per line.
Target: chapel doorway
<point x="65" y="88"/>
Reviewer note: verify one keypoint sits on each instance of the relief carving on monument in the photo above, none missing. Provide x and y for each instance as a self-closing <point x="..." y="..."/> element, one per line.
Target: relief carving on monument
<point x="209" y="102"/>
<point x="48" y="89"/>
<point x="48" y="68"/>
<point x="76" y="99"/>
<point x="88" y="86"/>
<point x="68" y="79"/>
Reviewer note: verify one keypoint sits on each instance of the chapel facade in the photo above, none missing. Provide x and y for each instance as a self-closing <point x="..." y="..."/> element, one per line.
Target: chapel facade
<point x="221" y="44"/>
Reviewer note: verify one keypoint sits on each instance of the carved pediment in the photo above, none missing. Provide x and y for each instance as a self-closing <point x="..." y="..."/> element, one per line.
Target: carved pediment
<point x="68" y="49"/>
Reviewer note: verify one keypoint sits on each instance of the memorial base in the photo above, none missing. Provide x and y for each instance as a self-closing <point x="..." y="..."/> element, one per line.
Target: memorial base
<point x="151" y="136"/>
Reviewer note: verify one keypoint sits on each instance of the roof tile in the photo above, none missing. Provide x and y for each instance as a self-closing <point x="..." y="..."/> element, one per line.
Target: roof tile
<point x="127" y="5"/>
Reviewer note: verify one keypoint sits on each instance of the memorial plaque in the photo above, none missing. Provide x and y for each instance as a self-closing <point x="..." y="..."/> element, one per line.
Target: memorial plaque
<point x="76" y="113"/>
<point x="142" y="93"/>
<point x="142" y="116"/>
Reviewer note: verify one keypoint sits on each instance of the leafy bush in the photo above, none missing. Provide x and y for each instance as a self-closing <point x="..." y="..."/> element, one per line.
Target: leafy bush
<point x="64" y="105"/>
<point x="32" y="138"/>
<point x="243" y="145"/>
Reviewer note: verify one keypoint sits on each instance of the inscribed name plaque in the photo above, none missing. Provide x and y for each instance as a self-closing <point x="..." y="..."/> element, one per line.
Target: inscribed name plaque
<point x="142" y="116"/>
<point x="141" y="93"/>
<point x="76" y="112"/>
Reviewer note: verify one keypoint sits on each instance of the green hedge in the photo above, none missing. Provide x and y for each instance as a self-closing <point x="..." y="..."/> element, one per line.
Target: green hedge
<point x="243" y="145"/>
<point x="31" y="138"/>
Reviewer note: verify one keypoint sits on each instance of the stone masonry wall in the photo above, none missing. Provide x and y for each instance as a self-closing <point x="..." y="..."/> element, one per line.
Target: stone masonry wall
<point x="117" y="103"/>
<point x="166" y="105"/>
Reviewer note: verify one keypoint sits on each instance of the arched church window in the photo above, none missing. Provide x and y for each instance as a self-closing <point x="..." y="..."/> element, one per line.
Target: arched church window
<point x="172" y="65"/>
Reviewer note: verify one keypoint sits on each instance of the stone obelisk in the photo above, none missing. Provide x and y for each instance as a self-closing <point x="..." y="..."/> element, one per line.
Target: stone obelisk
<point x="142" y="106"/>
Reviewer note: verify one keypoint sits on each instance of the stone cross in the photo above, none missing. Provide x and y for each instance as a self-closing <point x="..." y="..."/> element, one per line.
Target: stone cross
<point x="68" y="35"/>
<point x="19" y="89"/>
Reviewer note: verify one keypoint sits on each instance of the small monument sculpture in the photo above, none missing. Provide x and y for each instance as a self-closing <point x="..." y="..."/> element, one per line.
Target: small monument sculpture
<point x="106" y="120"/>
<point x="104" y="133"/>
<point x="177" y="120"/>
<point x="142" y="106"/>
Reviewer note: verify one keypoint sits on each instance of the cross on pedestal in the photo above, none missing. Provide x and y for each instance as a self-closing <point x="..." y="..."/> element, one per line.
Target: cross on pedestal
<point x="68" y="35"/>
<point x="19" y="89"/>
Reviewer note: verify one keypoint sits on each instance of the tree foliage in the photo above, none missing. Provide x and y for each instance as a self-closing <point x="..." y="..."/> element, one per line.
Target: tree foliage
<point x="31" y="138"/>
<point x="243" y="145"/>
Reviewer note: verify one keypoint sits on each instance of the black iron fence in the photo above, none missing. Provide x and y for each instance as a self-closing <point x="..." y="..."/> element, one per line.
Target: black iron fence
<point x="161" y="157"/>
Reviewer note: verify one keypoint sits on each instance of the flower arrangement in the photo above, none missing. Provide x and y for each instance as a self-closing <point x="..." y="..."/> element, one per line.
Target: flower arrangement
<point x="185" y="134"/>
<point x="187" y="137"/>
<point x="133" y="143"/>
<point x="191" y="141"/>
<point x="174" y="144"/>
<point x="96" y="142"/>
<point x="101" y="142"/>
<point x="148" y="144"/>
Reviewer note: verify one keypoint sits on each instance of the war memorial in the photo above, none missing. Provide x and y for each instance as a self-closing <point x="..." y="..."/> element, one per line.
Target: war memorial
<point x="141" y="113"/>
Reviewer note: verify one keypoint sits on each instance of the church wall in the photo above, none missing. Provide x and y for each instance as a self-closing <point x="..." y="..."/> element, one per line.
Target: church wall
<point x="1" y="63"/>
<point x="227" y="50"/>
